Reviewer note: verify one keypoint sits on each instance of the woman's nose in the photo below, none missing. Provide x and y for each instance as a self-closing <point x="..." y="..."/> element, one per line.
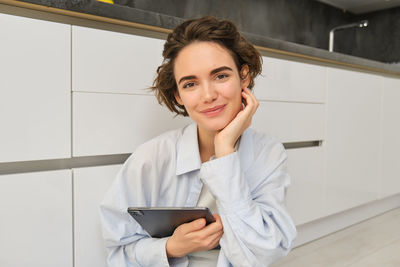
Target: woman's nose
<point x="209" y="93"/>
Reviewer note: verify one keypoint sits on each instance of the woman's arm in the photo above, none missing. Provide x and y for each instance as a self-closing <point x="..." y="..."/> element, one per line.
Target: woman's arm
<point x="127" y="243"/>
<point x="257" y="227"/>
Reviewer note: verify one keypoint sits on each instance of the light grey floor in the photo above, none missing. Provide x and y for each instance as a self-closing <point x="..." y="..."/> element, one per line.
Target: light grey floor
<point x="372" y="243"/>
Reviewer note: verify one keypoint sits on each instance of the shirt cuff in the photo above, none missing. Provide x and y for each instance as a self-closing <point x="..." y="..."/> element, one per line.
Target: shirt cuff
<point x="152" y="252"/>
<point x="225" y="180"/>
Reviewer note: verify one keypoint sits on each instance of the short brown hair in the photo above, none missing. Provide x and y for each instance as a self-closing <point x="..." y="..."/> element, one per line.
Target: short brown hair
<point x="208" y="29"/>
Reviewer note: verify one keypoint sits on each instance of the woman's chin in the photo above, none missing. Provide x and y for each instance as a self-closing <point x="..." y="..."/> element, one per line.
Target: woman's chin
<point x="215" y="127"/>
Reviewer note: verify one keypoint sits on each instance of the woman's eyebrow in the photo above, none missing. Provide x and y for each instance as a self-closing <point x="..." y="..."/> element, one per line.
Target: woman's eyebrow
<point x="191" y="77"/>
<point x="220" y="69"/>
<point x="186" y="78"/>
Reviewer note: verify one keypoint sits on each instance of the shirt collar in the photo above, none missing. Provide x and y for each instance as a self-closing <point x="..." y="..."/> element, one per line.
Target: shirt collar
<point x="188" y="158"/>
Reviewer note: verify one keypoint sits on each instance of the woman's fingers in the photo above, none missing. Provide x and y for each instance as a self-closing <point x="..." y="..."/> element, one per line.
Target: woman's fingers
<point x="213" y="240"/>
<point x="193" y="226"/>
<point x="251" y="100"/>
<point x="212" y="228"/>
<point x="250" y="109"/>
<point x="194" y="236"/>
<point x="225" y="140"/>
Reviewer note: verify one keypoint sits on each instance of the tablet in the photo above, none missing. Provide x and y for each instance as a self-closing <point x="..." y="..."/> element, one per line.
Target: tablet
<point x="161" y="222"/>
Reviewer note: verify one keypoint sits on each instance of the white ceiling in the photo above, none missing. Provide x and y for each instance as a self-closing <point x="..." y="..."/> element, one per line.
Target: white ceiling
<point x="362" y="6"/>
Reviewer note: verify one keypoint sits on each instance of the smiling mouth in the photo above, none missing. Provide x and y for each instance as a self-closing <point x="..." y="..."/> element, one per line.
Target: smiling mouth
<point x="213" y="111"/>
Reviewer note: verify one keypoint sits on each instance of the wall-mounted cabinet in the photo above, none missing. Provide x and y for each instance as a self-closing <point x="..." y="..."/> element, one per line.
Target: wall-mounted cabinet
<point x="35" y="96"/>
<point x="106" y="61"/>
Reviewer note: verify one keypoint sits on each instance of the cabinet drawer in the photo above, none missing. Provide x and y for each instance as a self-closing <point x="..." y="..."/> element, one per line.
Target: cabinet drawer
<point x="390" y="181"/>
<point x="291" y="122"/>
<point x="36" y="219"/>
<point x="105" y="61"/>
<point x="118" y="123"/>
<point x="35" y="89"/>
<point x="284" y="80"/>
<point x="352" y="138"/>
<point x="305" y="196"/>
<point x="87" y="199"/>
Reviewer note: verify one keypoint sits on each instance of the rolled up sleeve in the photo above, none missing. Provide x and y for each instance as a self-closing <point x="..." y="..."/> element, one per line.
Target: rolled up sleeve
<point x="257" y="227"/>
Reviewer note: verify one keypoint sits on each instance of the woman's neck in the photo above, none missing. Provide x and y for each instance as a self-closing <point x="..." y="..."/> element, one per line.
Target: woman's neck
<point x="206" y="144"/>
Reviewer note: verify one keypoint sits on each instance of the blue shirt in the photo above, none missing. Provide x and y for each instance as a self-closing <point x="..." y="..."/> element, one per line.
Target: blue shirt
<point x="248" y="185"/>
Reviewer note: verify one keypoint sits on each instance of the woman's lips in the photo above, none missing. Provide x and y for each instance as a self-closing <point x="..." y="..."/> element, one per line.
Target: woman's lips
<point x="210" y="112"/>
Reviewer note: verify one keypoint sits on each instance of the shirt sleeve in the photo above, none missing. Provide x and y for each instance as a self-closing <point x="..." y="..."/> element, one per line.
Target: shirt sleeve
<point x="257" y="227"/>
<point x="126" y="242"/>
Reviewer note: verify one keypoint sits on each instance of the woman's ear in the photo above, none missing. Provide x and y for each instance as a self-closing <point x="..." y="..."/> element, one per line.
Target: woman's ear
<point x="178" y="98"/>
<point x="244" y="76"/>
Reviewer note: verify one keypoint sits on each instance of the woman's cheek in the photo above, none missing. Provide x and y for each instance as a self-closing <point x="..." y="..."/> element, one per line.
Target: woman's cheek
<point x="190" y="100"/>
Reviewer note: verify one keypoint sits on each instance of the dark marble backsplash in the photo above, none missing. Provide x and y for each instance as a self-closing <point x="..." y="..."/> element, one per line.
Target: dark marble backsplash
<point x="305" y="22"/>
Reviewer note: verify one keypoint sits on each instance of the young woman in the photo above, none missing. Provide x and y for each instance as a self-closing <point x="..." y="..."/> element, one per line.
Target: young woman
<point x="217" y="161"/>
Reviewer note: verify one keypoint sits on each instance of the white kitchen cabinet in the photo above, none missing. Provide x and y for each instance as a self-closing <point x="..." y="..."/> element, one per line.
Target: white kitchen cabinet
<point x="105" y="61"/>
<point x="35" y="93"/>
<point x="284" y="80"/>
<point x="305" y="197"/>
<point x="36" y="220"/>
<point x="118" y="123"/>
<point x="352" y="138"/>
<point x="390" y="175"/>
<point x="291" y="122"/>
<point x="90" y="187"/>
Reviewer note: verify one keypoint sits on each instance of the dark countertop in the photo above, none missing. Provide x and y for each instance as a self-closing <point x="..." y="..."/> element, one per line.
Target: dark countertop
<point x="126" y="13"/>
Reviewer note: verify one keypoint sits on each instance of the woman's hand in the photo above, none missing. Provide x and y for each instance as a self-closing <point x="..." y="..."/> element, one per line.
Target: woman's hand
<point x="224" y="141"/>
<point x="194" y="236"/>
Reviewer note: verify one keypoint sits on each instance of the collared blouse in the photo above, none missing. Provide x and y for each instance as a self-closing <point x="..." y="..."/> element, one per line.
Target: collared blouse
<point x="248" y="185"/>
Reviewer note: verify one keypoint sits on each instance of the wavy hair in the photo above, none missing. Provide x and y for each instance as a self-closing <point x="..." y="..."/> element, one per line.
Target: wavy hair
<point x="205" y="29"/>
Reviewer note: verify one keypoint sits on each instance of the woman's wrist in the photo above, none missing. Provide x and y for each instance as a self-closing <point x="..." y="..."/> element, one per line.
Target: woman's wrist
<point x="224" y="145"/>
<point x="169" y="249"/>
<point x="172" y="251"/>
<point x="223" y="151"/>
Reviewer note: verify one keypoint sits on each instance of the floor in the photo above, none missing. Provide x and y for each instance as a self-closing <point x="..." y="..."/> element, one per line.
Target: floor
<point x="372" y="243"/>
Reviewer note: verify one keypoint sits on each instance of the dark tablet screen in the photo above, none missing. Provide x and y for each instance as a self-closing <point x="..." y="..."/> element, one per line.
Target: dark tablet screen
<point x="161" y="222"/>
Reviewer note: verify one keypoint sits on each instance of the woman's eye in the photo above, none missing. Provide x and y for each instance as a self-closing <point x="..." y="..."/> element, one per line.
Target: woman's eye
<point x="186" y="85"/>
<point x="221" y="76"/>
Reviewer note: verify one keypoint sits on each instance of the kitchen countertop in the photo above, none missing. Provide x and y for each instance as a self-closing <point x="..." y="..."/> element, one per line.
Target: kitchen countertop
<point x="163" y="23"/>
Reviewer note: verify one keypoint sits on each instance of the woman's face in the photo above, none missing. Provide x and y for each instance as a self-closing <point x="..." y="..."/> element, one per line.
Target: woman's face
<point x="209" y="85"/>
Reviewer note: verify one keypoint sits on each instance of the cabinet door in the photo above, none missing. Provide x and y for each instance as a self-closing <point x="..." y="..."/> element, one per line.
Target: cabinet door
<point x="390" y="180"/>
<point x="34" y="89"/>
<point x="352" y="138"/>
<point x="291" y="122"/>
<point x="105" y="61"/>
<point x="305" y="197"/>
<point x="36" y="219"/>
<point x="90" y="187"/>
<point x="118" y="123"/>
<point x="284" y="80"/>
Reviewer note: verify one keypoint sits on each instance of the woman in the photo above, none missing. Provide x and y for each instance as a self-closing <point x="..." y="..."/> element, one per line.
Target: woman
<point x="218" y="162"/>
